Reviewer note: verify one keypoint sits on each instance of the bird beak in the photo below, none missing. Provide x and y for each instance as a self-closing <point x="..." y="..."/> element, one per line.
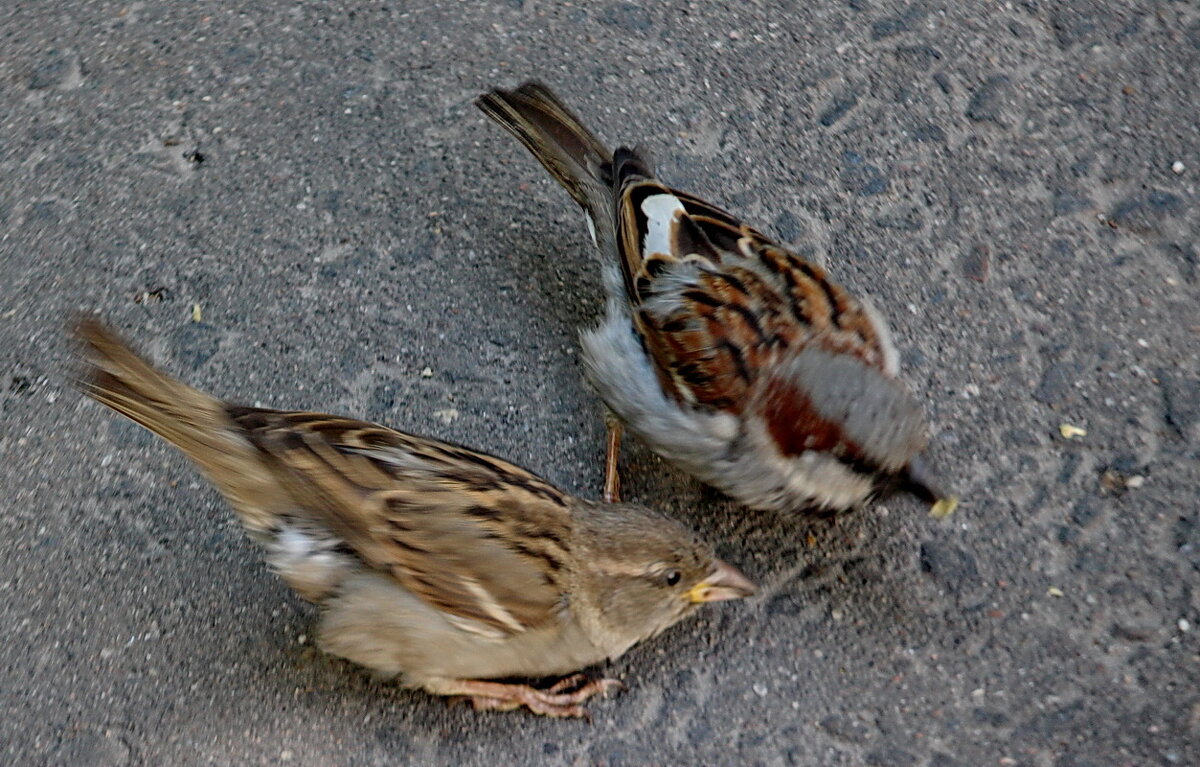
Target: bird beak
<point x="725" y="582"/>
<point x="918" y="481"/>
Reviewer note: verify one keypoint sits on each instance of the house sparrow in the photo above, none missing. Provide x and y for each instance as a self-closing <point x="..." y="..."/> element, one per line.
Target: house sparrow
<point x="725" y="352"/>
<point x="432" y="562"/>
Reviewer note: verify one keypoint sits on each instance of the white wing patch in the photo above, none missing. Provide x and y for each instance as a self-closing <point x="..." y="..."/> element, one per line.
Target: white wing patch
<point x="660" y="211"/>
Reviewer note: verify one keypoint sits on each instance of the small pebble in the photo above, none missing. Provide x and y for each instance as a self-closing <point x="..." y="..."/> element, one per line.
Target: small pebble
<point x="1177" y="167"/>
<point x="1135" y="482"/>
<point x="760" y="690"/>
<point x="1054" y="592"/>
<point x="427" y="373"/>
<point x="1070" y="431"/>
<point x="1184" y="625"/>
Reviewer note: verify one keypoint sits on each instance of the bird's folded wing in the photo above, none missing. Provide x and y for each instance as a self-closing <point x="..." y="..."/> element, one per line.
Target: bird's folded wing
<point x="474" y="536"/>
<point x="717" y="301"/>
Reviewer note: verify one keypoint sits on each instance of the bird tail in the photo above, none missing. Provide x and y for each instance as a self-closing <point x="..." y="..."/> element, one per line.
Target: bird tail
<point x="553" y="134"/>
<point x="198" y="424"/>
<point x="571" y="153"/>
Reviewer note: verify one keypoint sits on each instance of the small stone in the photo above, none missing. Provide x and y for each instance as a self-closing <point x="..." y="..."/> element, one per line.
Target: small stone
<point x="1057" y="593"/>
<point x="427" y="372"/>
<point x="760" y="690"/>
<point x="1112" y="481"/>
<point x="447" y="416"/>
<point x="1134" y="482"/>
<point x="1184" y="625"/>
<point x="1177" y="168"/>
<point x="1070" y="431"/>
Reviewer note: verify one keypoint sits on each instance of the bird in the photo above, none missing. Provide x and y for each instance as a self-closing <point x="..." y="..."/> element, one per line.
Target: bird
<point x="445" y="568"/>
<point x="728" y="354"/>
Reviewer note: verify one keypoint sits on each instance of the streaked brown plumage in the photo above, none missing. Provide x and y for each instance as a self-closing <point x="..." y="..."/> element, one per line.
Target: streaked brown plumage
<point x="727" y="353"/>
<point x="431" y="561"/>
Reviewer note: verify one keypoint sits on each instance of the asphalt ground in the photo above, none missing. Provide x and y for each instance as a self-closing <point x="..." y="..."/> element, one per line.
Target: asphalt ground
<point x="1014" y="184"/>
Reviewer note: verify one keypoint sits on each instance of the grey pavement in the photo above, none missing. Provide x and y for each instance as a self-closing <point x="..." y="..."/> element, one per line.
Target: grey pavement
<point x="1015" y="185"/>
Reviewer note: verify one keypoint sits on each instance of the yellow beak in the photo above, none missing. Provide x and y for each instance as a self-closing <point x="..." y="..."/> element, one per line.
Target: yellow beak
<point x="724" y="583"/>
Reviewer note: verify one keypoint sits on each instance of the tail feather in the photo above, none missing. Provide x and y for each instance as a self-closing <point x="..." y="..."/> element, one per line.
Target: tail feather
<point x="631" y="166"/>
<point x="196" y="423"/>
<point x="554" y="135"/>
<point x="571" y="153"/>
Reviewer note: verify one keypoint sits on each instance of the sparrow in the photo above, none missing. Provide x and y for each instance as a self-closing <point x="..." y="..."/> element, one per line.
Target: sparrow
<point x="725" y="352"/>
<point x="444" y="567"/>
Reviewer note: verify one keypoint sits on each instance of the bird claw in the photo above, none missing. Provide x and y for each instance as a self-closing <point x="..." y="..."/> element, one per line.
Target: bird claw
<point x="561" y="700"/>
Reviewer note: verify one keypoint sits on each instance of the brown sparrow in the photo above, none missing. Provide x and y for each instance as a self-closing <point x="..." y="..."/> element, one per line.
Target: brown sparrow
<point x="432" y="562"/>
<point x="726" y="353"/>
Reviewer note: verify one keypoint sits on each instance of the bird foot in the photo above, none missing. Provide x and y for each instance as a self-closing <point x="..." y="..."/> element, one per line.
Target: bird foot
<point x="562" y="699"/>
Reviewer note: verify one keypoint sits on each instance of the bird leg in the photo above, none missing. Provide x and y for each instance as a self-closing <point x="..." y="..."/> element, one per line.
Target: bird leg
<point x="500" y="696"/>
<point x="612" y="456"/>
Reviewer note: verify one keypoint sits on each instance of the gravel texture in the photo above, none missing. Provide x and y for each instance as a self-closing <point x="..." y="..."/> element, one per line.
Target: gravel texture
<point x="1015" y="185"/>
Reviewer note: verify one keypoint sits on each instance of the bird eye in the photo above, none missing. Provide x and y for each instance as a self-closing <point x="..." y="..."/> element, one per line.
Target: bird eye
<point x="673" y="577"/>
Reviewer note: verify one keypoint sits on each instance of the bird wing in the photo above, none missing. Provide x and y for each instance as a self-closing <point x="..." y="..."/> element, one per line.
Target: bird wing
<point x="474" y="536"/>
<point x="717" y="302"/>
